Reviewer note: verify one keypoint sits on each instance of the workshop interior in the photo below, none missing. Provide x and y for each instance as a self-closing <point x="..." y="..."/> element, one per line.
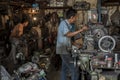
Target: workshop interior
<point x="35" y="55"/>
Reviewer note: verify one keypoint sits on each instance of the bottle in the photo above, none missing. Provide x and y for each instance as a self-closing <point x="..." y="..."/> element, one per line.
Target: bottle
<point x="116" y="58"/>
<point x="116" y="61"/>
<point x="109" y="62"/>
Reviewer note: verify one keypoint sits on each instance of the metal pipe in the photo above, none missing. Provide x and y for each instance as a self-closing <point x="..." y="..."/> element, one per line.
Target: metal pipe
<point x="99" y="10"/>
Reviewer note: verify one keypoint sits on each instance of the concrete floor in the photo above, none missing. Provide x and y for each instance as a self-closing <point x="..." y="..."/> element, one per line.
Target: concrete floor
<point x="53" y="75"/>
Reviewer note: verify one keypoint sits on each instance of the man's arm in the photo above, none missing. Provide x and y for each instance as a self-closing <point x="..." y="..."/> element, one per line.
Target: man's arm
<point x="20" y="30"/>
<point x="71" y="34"/>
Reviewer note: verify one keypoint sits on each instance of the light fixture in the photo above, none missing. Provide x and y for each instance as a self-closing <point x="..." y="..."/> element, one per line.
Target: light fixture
<point x="33" y="10"/>
<point x="34" y="18"/>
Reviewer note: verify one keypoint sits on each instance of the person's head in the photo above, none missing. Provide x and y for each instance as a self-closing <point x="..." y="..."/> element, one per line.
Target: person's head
<point x="71" y="15"/>
<point x="24" y="21"/>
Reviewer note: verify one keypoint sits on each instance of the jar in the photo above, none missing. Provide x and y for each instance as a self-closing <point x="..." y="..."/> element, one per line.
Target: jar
<point x="109" y="62"/>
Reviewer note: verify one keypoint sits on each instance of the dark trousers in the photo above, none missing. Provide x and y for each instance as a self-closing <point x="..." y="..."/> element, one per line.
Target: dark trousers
<point x="68" y="66"/>
<point x="14" y="44"/>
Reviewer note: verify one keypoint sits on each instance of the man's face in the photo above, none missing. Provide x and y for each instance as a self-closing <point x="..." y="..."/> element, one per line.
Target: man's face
<point x="73" y="19"/>
<point x="26" y="23"/>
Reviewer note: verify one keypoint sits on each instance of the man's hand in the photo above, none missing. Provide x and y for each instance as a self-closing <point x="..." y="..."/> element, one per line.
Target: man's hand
<point x="84" y="28"/>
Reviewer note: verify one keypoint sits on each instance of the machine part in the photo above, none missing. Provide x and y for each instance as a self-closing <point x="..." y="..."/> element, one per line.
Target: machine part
<point x="101" y="77"/>
<point x="35" y="59"/>
<point x="90" y="43"/>
<point x="37" y="76"/>
<point x="98" y="31"/>
<point x="95" y="62"/>
<point x="92" y="16"/>
<point x="4" y="75"/>
<point x="20" y="56"/>
<point x="84" y="61"/>
<point x="44" y="62"/>
<point x="75" y="53"/>
<point x="111" y="75"/>
<point x="54" y="19"/>
<point x="99" y="10"/>
<point x="27" y="67"/>
<point x="36" y="32"/>
<point x="106" y="43"/>
<point x="29" y="71"/>
<point x="92" y="36"/>
<point x="117" y="39"/>
<point x="94" y="75"/>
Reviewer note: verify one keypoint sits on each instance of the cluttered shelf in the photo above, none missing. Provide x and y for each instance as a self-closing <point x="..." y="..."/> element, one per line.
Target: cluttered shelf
<point x="65" y="7"/>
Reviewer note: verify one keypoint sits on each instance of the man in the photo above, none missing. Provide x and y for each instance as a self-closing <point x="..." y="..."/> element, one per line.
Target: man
<point x="64" y="41"/>
<point x="15" y="36"/>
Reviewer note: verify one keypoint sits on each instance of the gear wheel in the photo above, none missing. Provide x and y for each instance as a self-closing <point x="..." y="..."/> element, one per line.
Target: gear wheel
<point x="106" y="43"/>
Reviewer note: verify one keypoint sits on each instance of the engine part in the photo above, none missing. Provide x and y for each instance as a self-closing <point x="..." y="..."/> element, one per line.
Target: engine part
<point x="98" y="31"/>
<point x="20" y="56"/>
<point x="35" y="59"/>
<point x="106" y="43"/>
<point x="22" y="50"/>
<point x="36" y="32"/>
<point x="93" y="35"/>
<point x="74" y="52"/>
<point x="88" y="43"/>
<point x="33" y="77"/>
<point x="83" y="61"/>
<point x="4" y="75"/>
<point x="94" y="75"/>
<point x="27" y="67"/>
<point x="54" y="19"/>
<point x="92" y="16"/>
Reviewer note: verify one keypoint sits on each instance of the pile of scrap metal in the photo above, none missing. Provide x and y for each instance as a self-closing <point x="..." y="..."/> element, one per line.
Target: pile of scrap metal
<point x="27" y="71"/>
<point x="4" y="74"/>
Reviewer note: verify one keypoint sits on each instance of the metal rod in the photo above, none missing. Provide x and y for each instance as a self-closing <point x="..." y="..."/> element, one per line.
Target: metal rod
<point x="99" y="10"/>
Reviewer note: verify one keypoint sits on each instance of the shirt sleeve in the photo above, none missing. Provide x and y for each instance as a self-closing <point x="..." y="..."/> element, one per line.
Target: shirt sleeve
<point x="64" y="28"/>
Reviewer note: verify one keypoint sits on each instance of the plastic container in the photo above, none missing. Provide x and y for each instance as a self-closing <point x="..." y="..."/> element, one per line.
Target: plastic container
<point x="109" y="62"/>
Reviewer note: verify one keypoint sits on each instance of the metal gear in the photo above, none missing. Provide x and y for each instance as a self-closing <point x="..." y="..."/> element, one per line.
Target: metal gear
<point x="106" y="43"/>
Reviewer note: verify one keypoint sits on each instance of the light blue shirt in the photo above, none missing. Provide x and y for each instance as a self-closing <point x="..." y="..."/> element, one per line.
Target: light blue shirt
<point x="63" y="41"/>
